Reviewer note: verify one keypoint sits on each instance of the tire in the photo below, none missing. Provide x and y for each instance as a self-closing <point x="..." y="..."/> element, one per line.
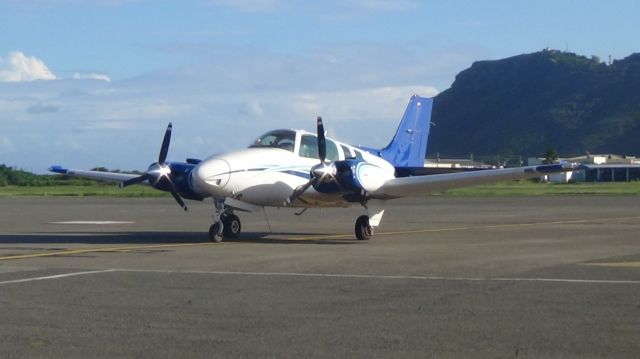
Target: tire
<point x="232" y="226"/>
<point x="364" y="231"/>
<point x="215" y="232"/>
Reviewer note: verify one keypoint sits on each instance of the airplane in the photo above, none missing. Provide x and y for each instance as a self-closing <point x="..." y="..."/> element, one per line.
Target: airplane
<point x="300" y="169"/>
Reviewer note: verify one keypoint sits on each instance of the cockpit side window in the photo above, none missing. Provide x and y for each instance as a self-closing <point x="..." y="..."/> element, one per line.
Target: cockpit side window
<point x="309" y="148"/>
<point x="283" y="139"/>
<point x="332" y="151"/>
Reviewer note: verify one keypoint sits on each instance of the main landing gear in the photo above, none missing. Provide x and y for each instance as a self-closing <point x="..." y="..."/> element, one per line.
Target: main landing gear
<point x="366" y="223"/>
<point x="364" y="231"/>
<point x="225" y="223"/>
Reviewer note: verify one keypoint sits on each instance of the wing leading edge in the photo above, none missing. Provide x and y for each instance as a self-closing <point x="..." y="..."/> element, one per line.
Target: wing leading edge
<point x="95" y="175"/>
<point x="420" y="185"/>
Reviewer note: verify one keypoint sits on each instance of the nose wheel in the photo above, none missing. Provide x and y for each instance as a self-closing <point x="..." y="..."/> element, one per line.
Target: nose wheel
<point x="225" y="223"/>
<point x="216" y="232"/>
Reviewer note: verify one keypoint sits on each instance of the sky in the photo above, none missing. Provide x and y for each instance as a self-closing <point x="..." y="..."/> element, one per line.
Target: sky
<point x="94" y="83"/>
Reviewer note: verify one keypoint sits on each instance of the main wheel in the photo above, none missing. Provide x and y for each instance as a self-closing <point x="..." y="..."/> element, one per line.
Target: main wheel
<point x="232" y="226"/>
<point x="364" y="231"/>
<point x="215" y="232"/>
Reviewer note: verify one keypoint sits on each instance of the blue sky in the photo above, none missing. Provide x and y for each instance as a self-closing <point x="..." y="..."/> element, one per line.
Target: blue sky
<point x="94" y="83"/>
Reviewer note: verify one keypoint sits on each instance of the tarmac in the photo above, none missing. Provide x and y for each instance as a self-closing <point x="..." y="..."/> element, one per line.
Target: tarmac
<point x="442" y="277"/>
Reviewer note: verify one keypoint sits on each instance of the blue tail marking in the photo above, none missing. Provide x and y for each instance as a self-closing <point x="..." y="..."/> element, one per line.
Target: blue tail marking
<point x="409" y="145"/>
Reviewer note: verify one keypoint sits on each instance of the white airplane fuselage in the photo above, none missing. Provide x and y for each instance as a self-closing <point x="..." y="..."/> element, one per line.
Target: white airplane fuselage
<point x="266" y="176"/>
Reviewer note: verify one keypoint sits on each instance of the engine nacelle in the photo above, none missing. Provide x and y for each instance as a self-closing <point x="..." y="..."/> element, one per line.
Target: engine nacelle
<point x="178" y="173"/>
<point x="354" y="179"/>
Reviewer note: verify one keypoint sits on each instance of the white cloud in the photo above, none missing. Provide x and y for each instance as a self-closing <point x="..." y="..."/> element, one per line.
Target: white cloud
<point x="379" y="103"/>
<point x="149" y="110"/>
<point x="39" y="108"/>
<point x="220" y="103"/>
<point x="68" y="144"/>
<point x="17" y="67"/>
<point x="254" y="108"/>
<point x="6" y="145"/>
<point x="91" y="76"/>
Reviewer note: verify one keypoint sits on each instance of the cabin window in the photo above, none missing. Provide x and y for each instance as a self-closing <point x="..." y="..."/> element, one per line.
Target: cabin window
<point x="283" y="139"/>
<point x="309" y="148"/>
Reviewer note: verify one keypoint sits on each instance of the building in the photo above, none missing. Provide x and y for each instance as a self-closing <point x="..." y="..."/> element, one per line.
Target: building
<point x="462" y="163"/>
<point x="597" y="168"/>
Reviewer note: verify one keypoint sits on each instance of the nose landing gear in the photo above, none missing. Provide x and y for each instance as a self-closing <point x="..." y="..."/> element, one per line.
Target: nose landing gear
<point x="225" y="223"/>
<point x="216" y="232"/>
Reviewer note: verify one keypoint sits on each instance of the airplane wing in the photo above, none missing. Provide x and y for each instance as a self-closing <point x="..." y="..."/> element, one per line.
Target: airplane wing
<point x="420" y="185"/>
<point x="96" y="175"/>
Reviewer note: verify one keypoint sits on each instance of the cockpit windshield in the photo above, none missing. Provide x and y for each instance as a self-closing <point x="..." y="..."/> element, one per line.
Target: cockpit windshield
<point x="284" y="139"/>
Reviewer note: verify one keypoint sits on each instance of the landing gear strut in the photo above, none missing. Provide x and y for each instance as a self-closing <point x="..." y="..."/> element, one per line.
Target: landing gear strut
<point x="364" y="231"/>
<point x="225" y="223"/>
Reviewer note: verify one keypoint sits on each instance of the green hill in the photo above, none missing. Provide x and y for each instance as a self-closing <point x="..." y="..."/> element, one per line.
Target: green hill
<point x="526" y="104"/>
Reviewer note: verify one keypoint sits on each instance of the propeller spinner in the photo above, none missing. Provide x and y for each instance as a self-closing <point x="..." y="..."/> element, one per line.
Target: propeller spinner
<point x="159" y="173"/>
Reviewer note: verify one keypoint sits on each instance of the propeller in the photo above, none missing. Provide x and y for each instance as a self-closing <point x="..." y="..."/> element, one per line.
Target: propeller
<point x="318" y="172"/>
<point x="322" y="142"/>
<point x="159" y="173"/>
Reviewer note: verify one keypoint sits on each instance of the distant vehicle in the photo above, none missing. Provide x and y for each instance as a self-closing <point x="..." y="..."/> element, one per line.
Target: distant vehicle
<point x="295" y="168"/>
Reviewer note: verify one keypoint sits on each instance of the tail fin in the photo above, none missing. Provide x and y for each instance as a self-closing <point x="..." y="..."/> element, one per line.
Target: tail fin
<point x="409" y="145"/>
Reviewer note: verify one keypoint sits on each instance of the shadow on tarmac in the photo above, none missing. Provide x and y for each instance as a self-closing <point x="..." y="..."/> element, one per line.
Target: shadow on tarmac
<point x="117" y="238"/>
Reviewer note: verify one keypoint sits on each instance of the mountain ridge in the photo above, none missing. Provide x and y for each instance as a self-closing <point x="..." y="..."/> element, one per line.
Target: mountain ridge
<point x="526" y="104"/>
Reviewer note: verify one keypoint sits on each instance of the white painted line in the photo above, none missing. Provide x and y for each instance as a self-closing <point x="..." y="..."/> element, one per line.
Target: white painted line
<point x="57" y="276"/>
<point x="329" y="275"/>
<point x="93" y="222"/>
<point x="373" y="276"/>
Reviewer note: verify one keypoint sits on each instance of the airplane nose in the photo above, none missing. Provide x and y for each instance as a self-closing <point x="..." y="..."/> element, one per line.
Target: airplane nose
<point x="211" y="176"/>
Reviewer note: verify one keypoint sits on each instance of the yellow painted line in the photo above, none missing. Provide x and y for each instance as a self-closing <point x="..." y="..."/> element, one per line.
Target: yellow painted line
<point x="615" y="264"/>
<point x="319" y="237"/>
<point x="98" y="250"/>
<point x="450" y="229"/>
<point x="322" y="237"/>
<point x="507" y="225"/>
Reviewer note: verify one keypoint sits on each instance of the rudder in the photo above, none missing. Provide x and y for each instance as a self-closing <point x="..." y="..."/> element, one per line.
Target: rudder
<point x="409" y="145"/>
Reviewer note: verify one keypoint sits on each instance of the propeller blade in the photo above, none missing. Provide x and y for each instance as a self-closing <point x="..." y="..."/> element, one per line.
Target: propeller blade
<point x="322" y="143"/>
<point x="300" y="190"/>
<point x="318" y="172"/>
<point x="135" y="180"/>
<point x="164" y="149"/>
<point x="178" y="198"/>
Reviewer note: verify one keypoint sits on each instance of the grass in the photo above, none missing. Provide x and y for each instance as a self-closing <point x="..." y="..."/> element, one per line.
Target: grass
<point x="512" y="188"/>
<point x="80" y="191"/>
<point x="528" y="188"/>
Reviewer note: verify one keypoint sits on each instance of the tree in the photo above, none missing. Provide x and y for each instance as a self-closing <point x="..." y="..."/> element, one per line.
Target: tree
<point x="550" y="156"/>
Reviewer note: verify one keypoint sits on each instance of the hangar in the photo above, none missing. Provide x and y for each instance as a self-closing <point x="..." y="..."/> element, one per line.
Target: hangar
<point x="598" y="168"/>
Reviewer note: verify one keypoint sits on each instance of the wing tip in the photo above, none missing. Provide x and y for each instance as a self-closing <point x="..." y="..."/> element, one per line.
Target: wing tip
<point x="58" y="169"/>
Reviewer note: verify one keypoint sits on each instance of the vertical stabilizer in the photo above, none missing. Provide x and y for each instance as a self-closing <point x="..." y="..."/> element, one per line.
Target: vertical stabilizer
<point x="409" y="145"/>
